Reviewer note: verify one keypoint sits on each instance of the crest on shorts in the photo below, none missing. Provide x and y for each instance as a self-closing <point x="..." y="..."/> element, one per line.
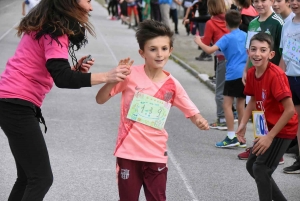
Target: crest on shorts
<point x="124" y="173"/>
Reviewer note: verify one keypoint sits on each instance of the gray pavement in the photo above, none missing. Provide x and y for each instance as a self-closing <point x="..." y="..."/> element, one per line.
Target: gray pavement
<point x="81" y="134"/>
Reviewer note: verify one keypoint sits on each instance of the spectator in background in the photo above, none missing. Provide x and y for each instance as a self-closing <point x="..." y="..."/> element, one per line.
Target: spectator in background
<point x="27" y="5"/>
<point x="146" y="9"/>
<point x="155" y="10"/>
<point x="174" y="14"/>
<point x="247" y="11"/>
<point x="164" y="7"/>
<point x="132" y="10"/>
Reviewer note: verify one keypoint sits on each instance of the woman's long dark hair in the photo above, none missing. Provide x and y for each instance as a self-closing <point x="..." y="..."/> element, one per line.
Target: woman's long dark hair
<point x="56" y="18"/>
<point x="57" y="14"/>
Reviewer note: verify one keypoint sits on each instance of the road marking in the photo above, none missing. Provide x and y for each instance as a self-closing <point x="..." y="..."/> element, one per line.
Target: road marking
<point x="7" y="5"/>
<point x="181" y="174"/>
<point x="106" y="44"/>
<point x="7" y="32"/>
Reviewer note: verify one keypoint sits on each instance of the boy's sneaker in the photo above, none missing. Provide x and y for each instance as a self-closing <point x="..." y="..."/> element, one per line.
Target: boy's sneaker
<point x="281" y="161"/>
<point x="228" y="142"/>
<point x="293" y="169"/>
<point x="245" y="155"/>
<point x="242" y="145"/>
<point x="218" y="125"/>
<point x="204" y="57"/>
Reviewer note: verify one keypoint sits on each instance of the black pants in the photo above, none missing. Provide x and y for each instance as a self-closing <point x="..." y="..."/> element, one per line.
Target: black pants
<point x="174" y="16"/>
<point x="262" y="167"/>
<point x="155" y="12"/>
<point x="27" y="144"/>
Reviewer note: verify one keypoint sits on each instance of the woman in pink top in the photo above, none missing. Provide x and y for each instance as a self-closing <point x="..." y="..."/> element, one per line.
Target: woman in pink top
<point x="50" y="33"/>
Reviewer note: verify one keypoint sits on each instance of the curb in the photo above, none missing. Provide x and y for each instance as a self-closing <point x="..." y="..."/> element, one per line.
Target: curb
<point x="202" y="77"/>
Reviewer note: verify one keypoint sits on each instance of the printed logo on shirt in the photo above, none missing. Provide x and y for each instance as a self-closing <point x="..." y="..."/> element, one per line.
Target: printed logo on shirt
<point x="138" y="88"/>
<point x="168" y="96"/>
<point x="268" y="32"/>
<point x="124" y="173"/>
<point x="258" y="29"/>
<point x="260" y="104"/>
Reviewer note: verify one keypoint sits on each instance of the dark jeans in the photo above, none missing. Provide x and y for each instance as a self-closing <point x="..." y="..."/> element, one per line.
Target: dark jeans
<point x="27" y="144"/>
<point x="155" y="12"/>
<point x="174" y="16"/>
<point x="262" y="167"/>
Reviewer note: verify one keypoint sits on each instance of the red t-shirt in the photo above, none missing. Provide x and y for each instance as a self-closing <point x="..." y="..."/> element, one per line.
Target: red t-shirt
<point x="268" y="91"/>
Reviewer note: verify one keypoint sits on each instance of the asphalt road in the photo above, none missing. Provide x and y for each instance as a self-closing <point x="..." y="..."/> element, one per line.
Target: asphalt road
<point x="81" y="134"/>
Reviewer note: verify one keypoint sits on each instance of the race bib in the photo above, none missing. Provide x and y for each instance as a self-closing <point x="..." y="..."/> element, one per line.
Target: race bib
<point x="149" y="110"/>
<point x="291" y="50"/>
<point x="260" y="127"/>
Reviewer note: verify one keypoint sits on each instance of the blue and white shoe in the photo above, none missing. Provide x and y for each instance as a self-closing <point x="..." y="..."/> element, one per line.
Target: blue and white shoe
<point x="228" y="142"/>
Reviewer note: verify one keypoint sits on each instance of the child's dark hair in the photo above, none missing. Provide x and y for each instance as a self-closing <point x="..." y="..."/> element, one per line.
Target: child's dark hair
<point x="233" y="18"/>
<point x="149" y="29"/>
<point x="263" y="37"/>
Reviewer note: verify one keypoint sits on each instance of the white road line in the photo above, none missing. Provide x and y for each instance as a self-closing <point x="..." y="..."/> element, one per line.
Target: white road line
<point x="8" y="5"/>
<point x="106" y="44"/>
<point x="7" y="32"/>
<point x="181" y="174"/>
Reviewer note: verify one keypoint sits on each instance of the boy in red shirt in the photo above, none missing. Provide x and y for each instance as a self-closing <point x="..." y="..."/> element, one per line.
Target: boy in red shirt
<point x="270" y="93"/>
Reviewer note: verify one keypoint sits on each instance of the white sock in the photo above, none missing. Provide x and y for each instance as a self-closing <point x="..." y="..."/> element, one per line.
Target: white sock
<point x="222" y="120"/>
<point x="231" y="134"/>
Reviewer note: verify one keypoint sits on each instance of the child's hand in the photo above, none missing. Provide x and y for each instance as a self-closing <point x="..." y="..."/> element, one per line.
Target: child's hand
<point x="261" y="144"/>
<point x="202" y="123"/>
<point x="198" y="40"/>
<point x="240" y="133"/>
<point x="127" y="63"/>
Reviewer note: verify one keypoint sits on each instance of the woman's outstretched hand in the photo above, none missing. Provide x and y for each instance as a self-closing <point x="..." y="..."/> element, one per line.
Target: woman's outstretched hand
<point x="119" y="73"/>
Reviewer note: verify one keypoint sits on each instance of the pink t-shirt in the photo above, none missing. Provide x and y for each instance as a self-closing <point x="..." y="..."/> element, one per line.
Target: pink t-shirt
<point x="25" y="75"/>
<point x="137" y="141"/>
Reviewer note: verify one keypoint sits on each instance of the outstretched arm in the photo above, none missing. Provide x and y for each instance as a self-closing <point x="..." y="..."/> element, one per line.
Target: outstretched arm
<point x="103" y="94"/>
<point x="205" y="48"/>
<point x="240" y="133"/>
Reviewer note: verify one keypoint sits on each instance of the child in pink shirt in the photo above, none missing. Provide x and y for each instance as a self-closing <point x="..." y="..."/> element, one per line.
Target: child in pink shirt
<point x="141" y="148"/>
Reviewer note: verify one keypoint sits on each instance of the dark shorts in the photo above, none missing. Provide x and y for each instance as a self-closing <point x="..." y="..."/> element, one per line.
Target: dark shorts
<point x="295" y="89"/>
<point x="234" y="88"/>
<point x="132" y="175"/>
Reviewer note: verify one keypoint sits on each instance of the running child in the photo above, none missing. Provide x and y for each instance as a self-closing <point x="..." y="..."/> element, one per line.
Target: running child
<point x="148" y="91"/>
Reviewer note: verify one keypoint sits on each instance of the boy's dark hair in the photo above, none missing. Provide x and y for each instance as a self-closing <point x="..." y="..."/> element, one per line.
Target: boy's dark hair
<point x="263" y="37"/>
<point x="233" y="18"/>
<point x="149" y="29"/>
